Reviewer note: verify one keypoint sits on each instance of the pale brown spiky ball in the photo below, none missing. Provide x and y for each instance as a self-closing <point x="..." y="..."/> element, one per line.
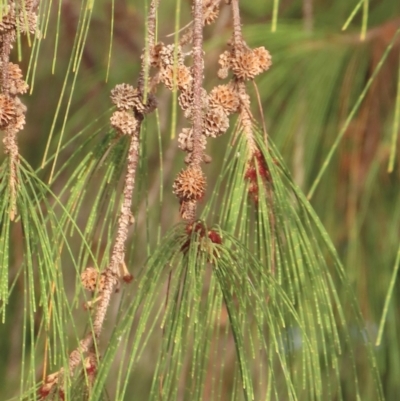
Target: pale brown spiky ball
<point x="155" y="57"/>
<point x="19" y="122"/>
<point x="225" y="63"/>
<point x="190" y="184"/>
<point x="27" y="21"/>
<point x="8" y="110"/>
<point x="124" y="96"/>
<point x="91" y="281"/>
<point x="226" y="97"/>
<point x="245" y="65"/>
<point x="185" y="140"/>
<point x="210" y="11"/>
<point x="170" y="55"/>
<point x="216" y="122"/>
<point x="124" y="122"/>
<point x="8" y="21"/>
<point x="185" y="100"/>
<point x="17" y="84"/>
<point x="264" y="58"/>
<point x="182" y="78"/>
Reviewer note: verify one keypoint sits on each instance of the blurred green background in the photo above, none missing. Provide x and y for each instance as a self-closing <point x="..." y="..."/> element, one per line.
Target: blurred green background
<point x="318" y="74"/>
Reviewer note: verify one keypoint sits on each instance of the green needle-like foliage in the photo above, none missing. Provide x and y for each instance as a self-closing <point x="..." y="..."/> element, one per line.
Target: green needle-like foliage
<point x="286" y="280"/>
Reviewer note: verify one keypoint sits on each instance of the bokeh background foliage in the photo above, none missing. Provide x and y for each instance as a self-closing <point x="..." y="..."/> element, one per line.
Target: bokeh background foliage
<point x="290" y="304"/>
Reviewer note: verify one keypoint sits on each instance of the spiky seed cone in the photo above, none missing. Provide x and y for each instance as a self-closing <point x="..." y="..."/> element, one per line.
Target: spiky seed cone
<point x="168" y="55"/>
<point x="91" y="281"/>
<point x="16" y="82"/>
<point x="216" y="122"/>
<point x="250" y="63"/>
<point x="124" y="122"/>
<point x="124" y="96"/>
<point x="210" y="11"/>
<point x="225" y="59"/>
<point x="27" y="21"/>
<point x="245" y="65"/>
<point x="89" y="278"/>
<point x="8" y="111"/>
<point x="185" y="99"/>
<point x="190" y="184"/>
<point x="19" y="123"/>
<point x="8" y="21"/>
<point x="264" y="58"/>
<point x="155" y="57"/>
<point x="183" y="77"/>
<point x="185" y="140"/>
<point x="226" y="97"/>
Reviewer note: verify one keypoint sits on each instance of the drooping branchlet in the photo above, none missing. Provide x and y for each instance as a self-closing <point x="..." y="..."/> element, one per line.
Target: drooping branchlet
<point x="132" y="104"/>
<point x="17" y="17"/>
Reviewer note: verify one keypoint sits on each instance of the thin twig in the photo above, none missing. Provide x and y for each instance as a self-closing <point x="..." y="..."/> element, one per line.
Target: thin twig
<point x="5" y="46"/>
<point x="198" y="70"/>
<point x="10" y="137"/>
<point x="113" y="271"/>
<point x="11" y="149"/>
<point x="246" y="117"/>
<point x="124" y="218"/>
<point x="151" y="33"/>
<point x="151" y="23"/>
<point x="188" y="35"/>
<point x="237" y="27"/>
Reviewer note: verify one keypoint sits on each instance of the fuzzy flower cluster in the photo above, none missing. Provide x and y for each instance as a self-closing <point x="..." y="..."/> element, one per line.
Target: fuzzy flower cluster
<point x="125" y="97"/>
<point x="16" y="17"/>
<point x="216" y="106"/>
<point x="129" y="102"/>
<point x="12" y="113"/>
<point x="190" y="184"/>
<point x="210" y="11"/>
<point x="222" y="101"/>
<point x="245" y="63"/>
<point x="94" y="281"/>
<point x="169" y="60"/>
